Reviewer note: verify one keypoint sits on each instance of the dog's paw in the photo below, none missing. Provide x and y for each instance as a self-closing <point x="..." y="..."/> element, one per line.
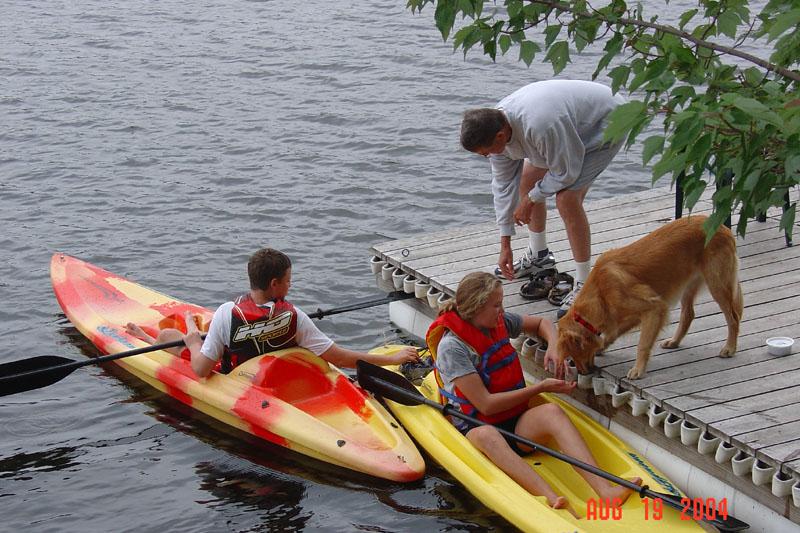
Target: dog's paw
<point x="636" y="373"/>
<point x="669" y="344"/>
<point x="727" y="351"/>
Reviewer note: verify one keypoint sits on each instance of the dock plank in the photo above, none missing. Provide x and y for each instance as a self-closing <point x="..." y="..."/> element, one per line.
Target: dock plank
<point x="756" y="421"/>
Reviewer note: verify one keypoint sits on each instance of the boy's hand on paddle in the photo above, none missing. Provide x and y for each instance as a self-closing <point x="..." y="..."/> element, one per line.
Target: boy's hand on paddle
<point x="557" y="385"/>
<point x="407" y="354"/>
<point x="192" y="337"/>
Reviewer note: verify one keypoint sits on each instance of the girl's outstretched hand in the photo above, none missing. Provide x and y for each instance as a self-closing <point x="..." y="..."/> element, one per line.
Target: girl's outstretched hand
<point x="557" y="385"/>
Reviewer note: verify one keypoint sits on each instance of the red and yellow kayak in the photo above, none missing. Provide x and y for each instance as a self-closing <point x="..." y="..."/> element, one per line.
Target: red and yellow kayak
<point x="290" y="397"/>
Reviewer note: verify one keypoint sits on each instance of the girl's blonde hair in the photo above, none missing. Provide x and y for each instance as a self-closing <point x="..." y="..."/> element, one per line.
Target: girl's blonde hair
<point x="473" y="292"/>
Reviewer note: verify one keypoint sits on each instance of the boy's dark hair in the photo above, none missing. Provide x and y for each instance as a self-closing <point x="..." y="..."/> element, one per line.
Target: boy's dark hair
<point x="265" y="265"/>
<point x="480" y="126"/>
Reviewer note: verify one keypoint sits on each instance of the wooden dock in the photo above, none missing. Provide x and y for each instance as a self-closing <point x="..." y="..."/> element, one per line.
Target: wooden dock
<point x="750" y="401"/>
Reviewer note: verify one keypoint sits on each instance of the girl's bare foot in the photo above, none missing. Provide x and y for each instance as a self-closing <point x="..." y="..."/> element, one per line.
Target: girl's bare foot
<point x="139" y="333"/>
<point x="558" y="502"/>
<point x="620" y="492"/>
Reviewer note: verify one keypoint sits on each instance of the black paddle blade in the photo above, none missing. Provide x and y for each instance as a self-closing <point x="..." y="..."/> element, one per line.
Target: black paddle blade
<point x="387" y="384"/>
<point x="721" y="523"/>
<point x="14" y="380"/>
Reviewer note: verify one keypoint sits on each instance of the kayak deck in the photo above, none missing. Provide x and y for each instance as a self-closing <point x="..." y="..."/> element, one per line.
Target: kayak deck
<point x="290" y="397"/>
<point x="499" y="492"/>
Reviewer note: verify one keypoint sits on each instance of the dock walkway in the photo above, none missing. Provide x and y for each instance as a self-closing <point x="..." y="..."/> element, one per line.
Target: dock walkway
<point x="747" y="406"/>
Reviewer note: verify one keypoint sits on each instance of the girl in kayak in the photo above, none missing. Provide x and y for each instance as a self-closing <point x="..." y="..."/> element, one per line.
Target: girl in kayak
<point x="261" y="321"/>
<point x="479" y="372"/>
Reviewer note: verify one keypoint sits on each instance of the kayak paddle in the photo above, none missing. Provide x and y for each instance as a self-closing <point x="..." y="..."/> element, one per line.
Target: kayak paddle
<point x="394" y="387"/>
<point x="44" y="370"/>
<point x="395" y="296"/>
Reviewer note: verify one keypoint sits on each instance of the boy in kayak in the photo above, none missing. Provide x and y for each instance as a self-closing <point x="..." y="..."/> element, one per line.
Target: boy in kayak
<point x="479" y="372"/>
<point x="262" y="321"/>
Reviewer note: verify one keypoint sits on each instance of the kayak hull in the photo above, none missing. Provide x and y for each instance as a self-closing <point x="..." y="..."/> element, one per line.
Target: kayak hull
<point x="291" y="397"/>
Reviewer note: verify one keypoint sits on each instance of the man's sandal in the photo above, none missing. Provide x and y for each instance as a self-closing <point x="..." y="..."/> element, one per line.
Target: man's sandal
<point x="539" y="285"/>
<point x="562" y="287"/>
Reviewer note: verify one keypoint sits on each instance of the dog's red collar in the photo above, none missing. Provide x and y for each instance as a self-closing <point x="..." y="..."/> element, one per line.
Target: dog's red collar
<point x="583" y="322"/>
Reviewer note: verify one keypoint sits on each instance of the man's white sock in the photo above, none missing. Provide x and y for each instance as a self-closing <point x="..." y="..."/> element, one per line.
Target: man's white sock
<point x="537" y="241"/>
<point x="582" y="271"/>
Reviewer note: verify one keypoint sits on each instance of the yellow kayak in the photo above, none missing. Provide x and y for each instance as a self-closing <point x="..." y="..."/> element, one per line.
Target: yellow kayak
<point x="499" y="492"/>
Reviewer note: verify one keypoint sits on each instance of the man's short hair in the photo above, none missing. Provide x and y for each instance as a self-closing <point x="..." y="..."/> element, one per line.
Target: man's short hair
<point x="265" y="265"/>
<point x="480" y="126"/>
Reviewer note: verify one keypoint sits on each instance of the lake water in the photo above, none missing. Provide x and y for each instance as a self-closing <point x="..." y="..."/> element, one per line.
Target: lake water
<point x="166" y="141"/>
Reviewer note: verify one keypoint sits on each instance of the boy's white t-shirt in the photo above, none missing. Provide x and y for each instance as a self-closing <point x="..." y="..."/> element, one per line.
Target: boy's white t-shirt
<point x="219" y="333"/>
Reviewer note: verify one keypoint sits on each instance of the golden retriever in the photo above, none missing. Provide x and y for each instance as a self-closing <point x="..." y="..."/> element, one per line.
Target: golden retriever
<point x="637" y="284"/>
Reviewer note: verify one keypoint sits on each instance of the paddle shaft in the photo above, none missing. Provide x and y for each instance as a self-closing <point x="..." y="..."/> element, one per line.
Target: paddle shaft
<point x="70" y="366"/>
<point x="395" y="296"/>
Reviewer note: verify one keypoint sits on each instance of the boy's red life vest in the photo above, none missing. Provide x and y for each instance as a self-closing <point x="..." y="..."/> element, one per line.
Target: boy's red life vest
<point x="499" y="366"/>
<point x="256" y="330"/>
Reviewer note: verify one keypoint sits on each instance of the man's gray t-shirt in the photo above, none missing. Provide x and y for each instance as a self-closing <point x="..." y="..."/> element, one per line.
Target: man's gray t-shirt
<point x="455" y="358"/>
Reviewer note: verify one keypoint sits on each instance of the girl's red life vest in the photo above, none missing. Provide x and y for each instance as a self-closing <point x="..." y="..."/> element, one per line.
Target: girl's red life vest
<point x="256" y="330"/>
<point x="499" y="365"/>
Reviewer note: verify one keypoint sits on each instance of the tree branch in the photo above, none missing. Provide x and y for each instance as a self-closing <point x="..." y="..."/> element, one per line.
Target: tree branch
<point x="786" y="73"/>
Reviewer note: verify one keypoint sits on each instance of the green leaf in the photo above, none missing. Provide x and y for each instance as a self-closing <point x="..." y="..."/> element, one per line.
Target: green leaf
<point x="687" y="131"/>
<point x="466" y="38"/>
<point x="619" y="77"/>
<point x="527" y="51"/>
<point x="787" y="219"/>
<point x="505" y="43"/>
<point x="692" y="191"/>
<point x="490" y="48"/>
<point x="686" y="17"/>
<point x="656" y="68"/>
<point x="445" y="17"/>
<point x="558" y="55"/>
<point x="624" y="118"/>
<point x="580" y="41"/>
<point x="700" y="148"/>
<point x="717" y="218"/>
<point x="551" y="34"/>
<point x="754" y="76"/>
<point x="792" y="167"/>
<point x="783" y="23"/>
<point x="685" y="56"/>
<point x="751" y="181"/>
<point x="466" y="7"/>
<point x="757" y="110"/>
<point x="669" y="163"/>
<point x="514" y="8"/>
<point x="652" y="146"/>
<point x="727" y="23"/>
<point x="612" y="48"/>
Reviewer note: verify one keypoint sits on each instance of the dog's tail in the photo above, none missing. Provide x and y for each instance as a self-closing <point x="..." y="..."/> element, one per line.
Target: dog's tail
<point x="721" y="272"/>
<point x="738" y="296"/>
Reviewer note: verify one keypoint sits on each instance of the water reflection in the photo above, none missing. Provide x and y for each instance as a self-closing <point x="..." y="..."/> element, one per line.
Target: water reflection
<point x="240" y="482"/>
<point x="22" y="466"/>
